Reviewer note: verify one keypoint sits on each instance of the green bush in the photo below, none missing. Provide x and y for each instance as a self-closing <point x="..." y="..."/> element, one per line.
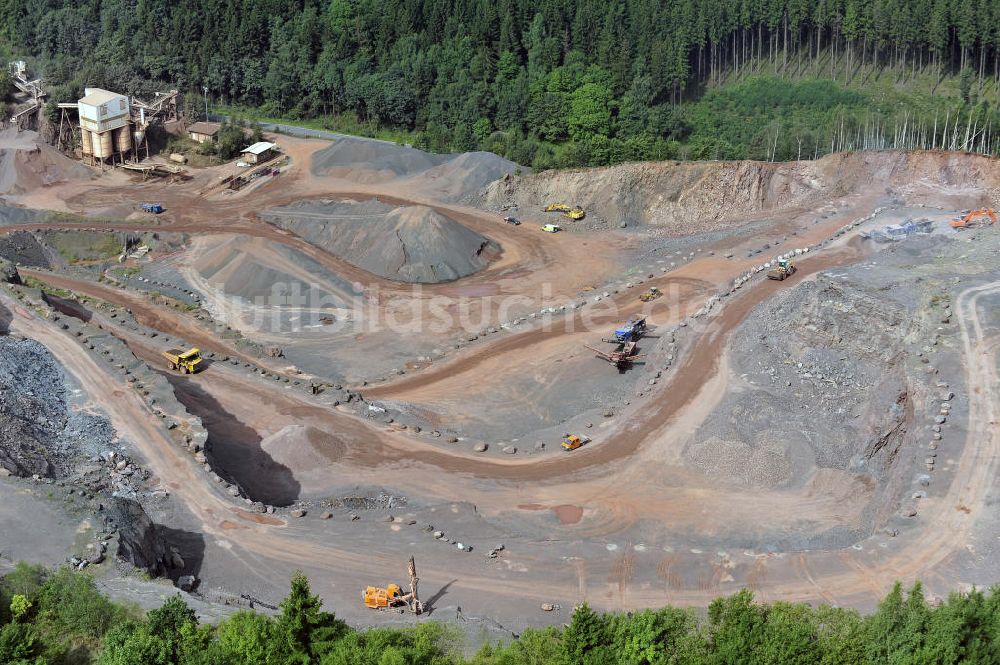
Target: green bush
<point x="61" y="619"/>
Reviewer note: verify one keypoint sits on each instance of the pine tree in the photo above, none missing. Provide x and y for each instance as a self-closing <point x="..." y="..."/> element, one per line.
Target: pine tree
<point x="586" y="639"/>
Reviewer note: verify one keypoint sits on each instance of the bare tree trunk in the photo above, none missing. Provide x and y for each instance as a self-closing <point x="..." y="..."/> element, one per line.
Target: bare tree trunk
<point x="785" y="56"/>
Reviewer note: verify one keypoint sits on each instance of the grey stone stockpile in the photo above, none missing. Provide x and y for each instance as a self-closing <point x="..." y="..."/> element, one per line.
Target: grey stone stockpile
<point x="40" y="434"/>
<point x="413" y="244"/>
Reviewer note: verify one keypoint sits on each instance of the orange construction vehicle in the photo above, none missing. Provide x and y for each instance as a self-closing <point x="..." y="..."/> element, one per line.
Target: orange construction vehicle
<point x="975" y="218"/>
<point x="574" y="441"/>
<point x="378" y="598"/>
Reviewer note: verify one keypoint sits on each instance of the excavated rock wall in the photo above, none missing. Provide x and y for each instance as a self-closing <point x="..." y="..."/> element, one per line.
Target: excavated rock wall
<point x="40" y="433"/>
<point x="682" y="197"/>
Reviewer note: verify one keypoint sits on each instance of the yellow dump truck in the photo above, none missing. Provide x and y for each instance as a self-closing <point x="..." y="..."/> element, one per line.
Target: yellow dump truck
<point x="185" y="362"/>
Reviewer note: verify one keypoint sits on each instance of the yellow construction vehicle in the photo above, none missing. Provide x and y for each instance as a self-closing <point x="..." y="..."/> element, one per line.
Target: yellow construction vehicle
<point x="652" y="294"/>
<point x="573" y="441"/>
<point x="186" y="362"/>
<point x="782" y="271"/>
<point x="378" y="598"/>
<point x="568" y="211"/>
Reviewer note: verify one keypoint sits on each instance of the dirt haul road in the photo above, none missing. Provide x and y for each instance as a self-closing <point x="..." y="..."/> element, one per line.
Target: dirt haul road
<point x="836" y="576"/>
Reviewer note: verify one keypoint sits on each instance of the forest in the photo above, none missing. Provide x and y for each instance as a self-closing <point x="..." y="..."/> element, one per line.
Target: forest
<point x="552" y="83"/>
<point x="59" y="618"/>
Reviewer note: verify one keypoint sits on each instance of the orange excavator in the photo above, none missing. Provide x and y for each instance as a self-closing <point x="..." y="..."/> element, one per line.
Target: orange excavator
<point x="975" y="218"/>
<point x="378" y="598"/>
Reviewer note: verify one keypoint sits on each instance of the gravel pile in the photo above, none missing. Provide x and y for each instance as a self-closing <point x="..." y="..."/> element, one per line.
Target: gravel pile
<point x="381" y="501"/>
<point x="413" y="244"/>
<point x="452" y="177"/>
<point x="12" y="215"/>
<point x="24" y="248"/>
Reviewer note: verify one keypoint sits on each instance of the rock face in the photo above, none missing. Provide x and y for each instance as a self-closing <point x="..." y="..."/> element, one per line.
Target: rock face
<point x="140" y="542"/>
<point x="840" y="357"/>
<point x="39" y="432"/>
<point x="720" y="194"/>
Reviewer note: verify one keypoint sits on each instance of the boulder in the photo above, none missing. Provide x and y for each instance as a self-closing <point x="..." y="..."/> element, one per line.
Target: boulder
<point x="187" y="583"/>
<point x="8" y="272"/>
<point x="140" y="541"/>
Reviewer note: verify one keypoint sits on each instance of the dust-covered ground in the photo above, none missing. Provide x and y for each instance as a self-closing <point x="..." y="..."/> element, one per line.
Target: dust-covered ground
<point x="390" y="369"/>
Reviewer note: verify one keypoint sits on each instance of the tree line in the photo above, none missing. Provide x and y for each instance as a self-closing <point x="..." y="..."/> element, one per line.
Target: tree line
<point x="545" y="82"/>
<point x="59" y="618"/>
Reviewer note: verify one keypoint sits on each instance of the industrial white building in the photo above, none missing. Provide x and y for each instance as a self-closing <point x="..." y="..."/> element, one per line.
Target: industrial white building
<point x="105" y="129"/>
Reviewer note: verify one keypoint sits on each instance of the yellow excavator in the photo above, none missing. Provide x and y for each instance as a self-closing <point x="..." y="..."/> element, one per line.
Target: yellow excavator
<point x="568" y="211"/>
<point x="185" y="362"/>
<point x="380" y="598"/>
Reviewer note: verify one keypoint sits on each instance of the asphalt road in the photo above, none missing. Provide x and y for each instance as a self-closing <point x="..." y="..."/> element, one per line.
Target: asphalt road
<point x="304" y="132"/>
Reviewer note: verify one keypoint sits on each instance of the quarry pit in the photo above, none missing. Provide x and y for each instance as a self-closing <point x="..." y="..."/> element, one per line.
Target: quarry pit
<point x="390" y="369"/>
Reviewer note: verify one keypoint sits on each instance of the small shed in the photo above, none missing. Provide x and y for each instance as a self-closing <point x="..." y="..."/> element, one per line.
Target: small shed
<point x="204" y="131"/>
<point x="258" y="153"/>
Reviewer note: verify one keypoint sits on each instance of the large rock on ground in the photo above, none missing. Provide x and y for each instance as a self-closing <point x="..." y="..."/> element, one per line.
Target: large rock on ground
<point x="8" y="272"/>
<point x="140" y="541"/>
